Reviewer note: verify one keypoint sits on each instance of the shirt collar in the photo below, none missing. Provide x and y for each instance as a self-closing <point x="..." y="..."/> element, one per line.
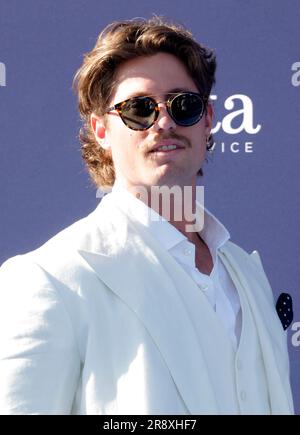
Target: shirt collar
<point x="213" y="232"/>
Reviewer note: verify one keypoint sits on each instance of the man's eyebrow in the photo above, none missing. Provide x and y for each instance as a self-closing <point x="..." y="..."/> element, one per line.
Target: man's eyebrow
<point x="165" y="94"/>
<point x="175" y="90"/>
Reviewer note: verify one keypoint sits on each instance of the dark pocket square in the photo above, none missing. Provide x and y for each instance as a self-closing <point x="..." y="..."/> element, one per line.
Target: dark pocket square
<point x="284" y="308"/>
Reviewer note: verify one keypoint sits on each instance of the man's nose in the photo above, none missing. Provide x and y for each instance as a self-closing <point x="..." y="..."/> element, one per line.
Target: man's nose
<point x="164" y="120"/>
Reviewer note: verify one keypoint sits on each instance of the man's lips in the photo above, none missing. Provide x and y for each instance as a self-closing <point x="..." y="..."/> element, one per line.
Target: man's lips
<point x="166" y="142"/>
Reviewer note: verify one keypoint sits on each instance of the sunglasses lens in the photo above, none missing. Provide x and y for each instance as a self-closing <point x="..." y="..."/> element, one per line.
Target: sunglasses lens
<point x="138" y="113"/>
<point x="187" y="109"/>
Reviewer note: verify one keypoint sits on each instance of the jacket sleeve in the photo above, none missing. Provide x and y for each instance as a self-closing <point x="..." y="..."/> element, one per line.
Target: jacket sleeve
<point x="39" y="359"/>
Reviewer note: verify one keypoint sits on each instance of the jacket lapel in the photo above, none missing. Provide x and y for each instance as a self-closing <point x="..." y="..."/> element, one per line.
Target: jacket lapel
<point x="273" y="341"/>
<point x="130" y="265"/>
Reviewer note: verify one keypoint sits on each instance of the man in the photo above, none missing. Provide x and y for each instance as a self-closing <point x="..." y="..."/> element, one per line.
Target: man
<point x="132" y="310"/>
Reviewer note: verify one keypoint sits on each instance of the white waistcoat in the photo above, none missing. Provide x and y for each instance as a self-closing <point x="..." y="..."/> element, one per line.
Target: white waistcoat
<point x="235" y="391"/>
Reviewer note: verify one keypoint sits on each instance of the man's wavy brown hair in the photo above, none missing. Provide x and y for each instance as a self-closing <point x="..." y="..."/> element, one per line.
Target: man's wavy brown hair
<point x="119" y="42"/>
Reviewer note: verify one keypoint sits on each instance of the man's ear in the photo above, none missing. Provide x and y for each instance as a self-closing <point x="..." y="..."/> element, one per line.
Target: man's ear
<point x="99" y="130"/>
<point x="209" y="115"/>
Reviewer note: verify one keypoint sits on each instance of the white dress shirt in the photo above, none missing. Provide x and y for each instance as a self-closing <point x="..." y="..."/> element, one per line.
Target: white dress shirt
<point x="218" y="286"/>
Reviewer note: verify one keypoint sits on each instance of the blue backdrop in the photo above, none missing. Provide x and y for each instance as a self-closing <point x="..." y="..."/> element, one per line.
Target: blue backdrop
<point x="251" y="180"/>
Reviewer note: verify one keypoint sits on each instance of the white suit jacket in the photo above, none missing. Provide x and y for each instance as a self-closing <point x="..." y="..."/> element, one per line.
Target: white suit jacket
<point x="92" y="323"/>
